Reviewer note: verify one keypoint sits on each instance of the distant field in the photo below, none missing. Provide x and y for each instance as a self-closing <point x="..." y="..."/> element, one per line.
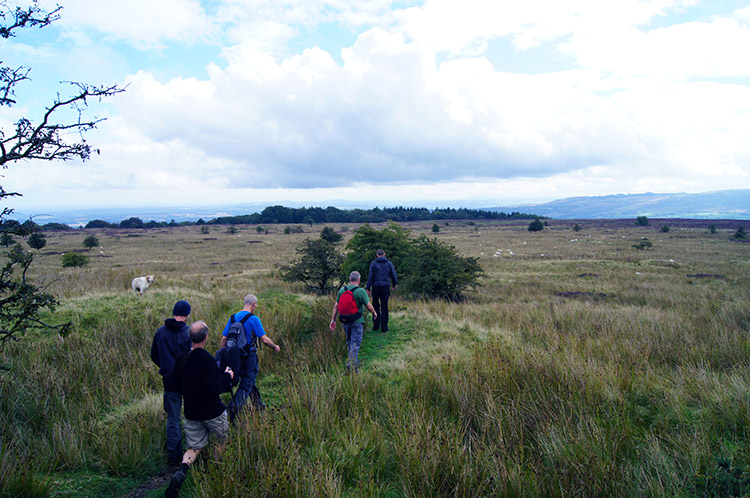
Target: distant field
<point x="581" y="366"/>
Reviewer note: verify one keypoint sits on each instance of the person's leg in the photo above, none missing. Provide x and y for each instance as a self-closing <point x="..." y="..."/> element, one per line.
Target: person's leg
<point x="357" y="330"/>
<point x="383" y="294"/>
<point x="376" y="322"/>
<point x="247" y="382"/>
<point x="196" y="434"/>
<point x="173" y="407"/>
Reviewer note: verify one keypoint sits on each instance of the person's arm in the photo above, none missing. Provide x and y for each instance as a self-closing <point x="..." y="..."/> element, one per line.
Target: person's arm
<point x="394" y="278"/>
<point x="268" y="342"/>
<point x="333" y="315"/>
<point x="155" y="353"/>
<point x="223" y="342"/>
<point x="372" y="310"/>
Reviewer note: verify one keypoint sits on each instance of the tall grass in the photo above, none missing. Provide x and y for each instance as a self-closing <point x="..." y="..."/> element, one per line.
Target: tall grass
<point x="581" y="367"/>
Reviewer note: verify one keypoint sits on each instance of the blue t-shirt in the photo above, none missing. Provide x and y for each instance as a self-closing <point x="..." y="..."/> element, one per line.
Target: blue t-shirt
<point x="253" y="327"/>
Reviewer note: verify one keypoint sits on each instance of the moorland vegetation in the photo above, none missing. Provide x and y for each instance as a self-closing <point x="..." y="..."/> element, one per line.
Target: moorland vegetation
<point x="580" y="367"/>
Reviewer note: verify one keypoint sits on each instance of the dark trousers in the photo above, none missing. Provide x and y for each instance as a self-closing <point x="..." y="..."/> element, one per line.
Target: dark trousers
<point x="173" y="407"/>
<point x="248" y="374"/>
<point x="380" y="295"/>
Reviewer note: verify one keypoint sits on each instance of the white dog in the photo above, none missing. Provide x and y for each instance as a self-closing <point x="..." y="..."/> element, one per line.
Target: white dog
<point x="140" y="284"/>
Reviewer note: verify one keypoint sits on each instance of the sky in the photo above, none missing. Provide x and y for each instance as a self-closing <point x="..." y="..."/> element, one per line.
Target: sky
<point x="434" y="102"/>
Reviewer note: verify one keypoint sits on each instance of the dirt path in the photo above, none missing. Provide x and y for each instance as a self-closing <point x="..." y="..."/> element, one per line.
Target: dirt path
<point x="154" y="482"/>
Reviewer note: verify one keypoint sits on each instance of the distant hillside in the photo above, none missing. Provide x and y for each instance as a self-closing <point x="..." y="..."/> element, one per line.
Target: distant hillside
<point x="723" y="204"/>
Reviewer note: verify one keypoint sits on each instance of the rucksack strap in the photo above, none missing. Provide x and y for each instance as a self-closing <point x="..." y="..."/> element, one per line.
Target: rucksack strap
<point x="245" y="318"/>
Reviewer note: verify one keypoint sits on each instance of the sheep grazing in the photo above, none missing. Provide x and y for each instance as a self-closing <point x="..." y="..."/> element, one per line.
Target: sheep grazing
<point x="140" y="284"/>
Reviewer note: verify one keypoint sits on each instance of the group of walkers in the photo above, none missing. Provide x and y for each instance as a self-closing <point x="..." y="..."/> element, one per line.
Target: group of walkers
<point x="191" y="373"/>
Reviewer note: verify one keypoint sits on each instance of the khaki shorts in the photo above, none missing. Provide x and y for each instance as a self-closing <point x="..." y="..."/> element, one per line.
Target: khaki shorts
<point x="197" y="431"/>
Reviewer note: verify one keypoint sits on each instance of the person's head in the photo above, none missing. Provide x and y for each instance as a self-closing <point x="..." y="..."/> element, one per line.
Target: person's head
<point x="181" y="310"/>
<point x="380" y="253"/>
<point x="198" y="332"/>
<point x="250" y="302"/>
<point x="354" y="277"/>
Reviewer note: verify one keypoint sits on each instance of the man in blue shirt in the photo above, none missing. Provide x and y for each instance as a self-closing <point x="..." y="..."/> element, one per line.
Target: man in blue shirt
<point x="249" y="366"/>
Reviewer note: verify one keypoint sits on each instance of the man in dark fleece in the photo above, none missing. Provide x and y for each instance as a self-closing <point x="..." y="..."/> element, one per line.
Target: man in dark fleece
<point x="201" y="383"/>
<point x="169" y="342"/>
<point x="382" y="275"/>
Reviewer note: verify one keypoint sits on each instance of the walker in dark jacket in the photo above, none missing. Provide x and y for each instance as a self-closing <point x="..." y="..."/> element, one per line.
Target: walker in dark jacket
<point x="381" y="277"/>
<point x="170" y="341"/>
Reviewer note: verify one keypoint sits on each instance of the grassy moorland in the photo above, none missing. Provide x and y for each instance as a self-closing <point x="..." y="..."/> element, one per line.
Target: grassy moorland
<point x="581" y="367"/>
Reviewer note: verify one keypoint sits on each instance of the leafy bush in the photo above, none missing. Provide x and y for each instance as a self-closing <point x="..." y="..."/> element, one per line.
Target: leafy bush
<point x="536" y="225"/>
<point x="37" y="240"/>
<point x="90" y="241"/>
<point x="329" y="234"/>
<point x="740" y="233"/>
<point x="73" y="259"/>
<point x="665" y="228"/>
<point x="361" y="248"/>
<point x="318" y="266"/>
<point x="6" y="239"/>
<point x="643" y="244"/>
<point x="642" y="221"/>
<point x="297" y="229"/>
<point x="435" y="269"/>
<point x="231" y="230"/>
<point x="576" y="227"/>
<point x="205" y="230"/>
<point x="435" y="228"/>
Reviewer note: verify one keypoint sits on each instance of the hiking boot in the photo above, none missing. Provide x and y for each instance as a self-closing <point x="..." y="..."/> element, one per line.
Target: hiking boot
<point x="175" y="484"/>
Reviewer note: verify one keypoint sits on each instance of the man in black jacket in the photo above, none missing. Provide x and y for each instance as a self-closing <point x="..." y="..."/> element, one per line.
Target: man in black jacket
<point x="382" y="275"/>
<point x="169" y="342"/>
<point x="201" y="383"/>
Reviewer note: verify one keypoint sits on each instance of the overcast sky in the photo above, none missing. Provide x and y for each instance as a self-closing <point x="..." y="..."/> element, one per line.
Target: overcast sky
<point x="391" y="101"/>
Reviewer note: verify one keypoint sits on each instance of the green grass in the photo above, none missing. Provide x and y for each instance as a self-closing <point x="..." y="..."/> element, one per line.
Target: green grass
<point x="580" y="367"/>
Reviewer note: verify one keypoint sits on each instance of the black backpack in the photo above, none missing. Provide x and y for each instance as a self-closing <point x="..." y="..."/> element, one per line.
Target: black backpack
<point x="236" y="336"/>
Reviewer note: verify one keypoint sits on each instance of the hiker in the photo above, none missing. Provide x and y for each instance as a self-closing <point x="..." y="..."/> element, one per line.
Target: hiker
<point x="381" y="277"/>
<point x="354" y="322"/>
<point x="171" y="340"/>
<point x="201" y="383"/>
<point x="249" y="354"/>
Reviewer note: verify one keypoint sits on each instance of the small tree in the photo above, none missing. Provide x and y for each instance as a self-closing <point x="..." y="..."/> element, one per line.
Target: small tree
<point x="329" y="234"/>
<point x="576" y="227"/>
<point x="73" y="259"/>
<point x="435" y="228"/>
<point x="6" y="239"/>
<point x="318" y="266"/>
<point x="712" y="228"/>
<point x="642" y="221"/>
<point x="536" y="225"/>
<point x="740" y="233"/>
<point x="435" y="269"/>
<point x="361" y="248"/>
<point x="90" y="242"/>
<point x="308" y="220"/>
<point x="664" y="228"/>
<point x="259" y="229"/>
<point x="231" y="230"/>
<point x="37" y="240"/>
<point x="205" y="230"/>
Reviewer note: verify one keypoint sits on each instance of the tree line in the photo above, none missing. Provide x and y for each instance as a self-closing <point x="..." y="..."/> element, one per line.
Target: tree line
<point x="309" y="216"/>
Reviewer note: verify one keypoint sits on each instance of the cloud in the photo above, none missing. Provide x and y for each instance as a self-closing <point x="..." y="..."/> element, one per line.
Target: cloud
<point x="145" y="24"/>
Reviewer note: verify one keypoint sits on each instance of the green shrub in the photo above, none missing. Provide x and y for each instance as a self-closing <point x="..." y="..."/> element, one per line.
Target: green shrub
<point x="73" y="259"/>
<point x="37" y="240"/>
<point x="90" y="242"/>
<point x="435" y="228"/>
<point x="329" y="235"/>
<point x="643" y="244"/>
<point x="740" y="233"/>
<point x="435" y="269"/>
<point x="6" y="239"/>
<point x="361" y="248"/>
<point x="536" y="225"/>
<point x="642" y="221"/>
<point x="318" y="265"/>
<point x="665" y="228"/>
<point x="576" y="227"/>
